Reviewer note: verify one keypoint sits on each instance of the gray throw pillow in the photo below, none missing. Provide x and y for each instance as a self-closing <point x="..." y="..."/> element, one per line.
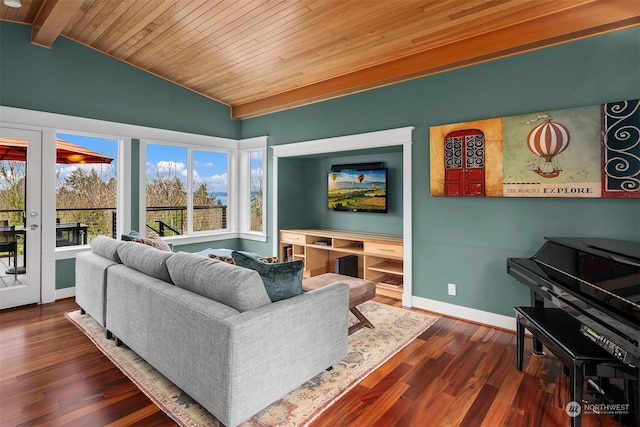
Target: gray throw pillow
<point x="145" y="259"/>
<point x="236" y="287"/>
<point x="107" y="247"/>
<point x="283" y="280"/>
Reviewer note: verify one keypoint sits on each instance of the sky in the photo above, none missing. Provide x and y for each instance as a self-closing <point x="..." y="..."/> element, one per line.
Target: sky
<point x="358" y="179"/>
<point x="208" y="167"/>
<point x="162" y="160"/>
<point x="107" y="147"/>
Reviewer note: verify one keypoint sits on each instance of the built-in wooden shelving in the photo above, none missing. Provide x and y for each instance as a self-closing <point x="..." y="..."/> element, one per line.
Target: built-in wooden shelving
<point x="380" y="256"/>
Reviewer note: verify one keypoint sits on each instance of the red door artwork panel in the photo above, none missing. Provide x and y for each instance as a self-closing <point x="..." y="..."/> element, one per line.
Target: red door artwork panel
<point x="464" y="163"/>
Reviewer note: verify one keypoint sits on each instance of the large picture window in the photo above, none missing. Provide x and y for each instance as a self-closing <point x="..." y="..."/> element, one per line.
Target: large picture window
<point x="186" y="189"/>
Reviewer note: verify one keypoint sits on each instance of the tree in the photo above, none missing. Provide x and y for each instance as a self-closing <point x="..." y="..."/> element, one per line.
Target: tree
<point x="12" y="189"/>
<point x="166" y="189"/>
<point x="201" y="196"/>
<point x="256" y="199"/>
<point x="204" y="216"/>
<point x="87" y="196"/>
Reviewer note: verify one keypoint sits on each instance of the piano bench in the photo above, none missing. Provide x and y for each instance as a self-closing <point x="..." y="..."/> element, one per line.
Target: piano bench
<point x="560" y="333"/>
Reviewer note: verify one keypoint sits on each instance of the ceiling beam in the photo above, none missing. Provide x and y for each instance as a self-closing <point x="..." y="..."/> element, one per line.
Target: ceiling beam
<point x="52" y="17"/>
<point x="586" y="20"/>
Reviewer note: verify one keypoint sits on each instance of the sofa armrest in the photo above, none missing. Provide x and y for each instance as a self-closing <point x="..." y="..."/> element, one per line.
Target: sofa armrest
<point x="277" y="347"/>
<point x="91" y="284"/>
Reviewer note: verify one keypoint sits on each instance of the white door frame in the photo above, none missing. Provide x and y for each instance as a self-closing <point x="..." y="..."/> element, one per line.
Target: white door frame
<point x="384" y="138"/>
<point x="31" y="291"/>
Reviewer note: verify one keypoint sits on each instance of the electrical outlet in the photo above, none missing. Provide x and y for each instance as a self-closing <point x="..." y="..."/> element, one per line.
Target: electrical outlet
<point x="452" y="289"/>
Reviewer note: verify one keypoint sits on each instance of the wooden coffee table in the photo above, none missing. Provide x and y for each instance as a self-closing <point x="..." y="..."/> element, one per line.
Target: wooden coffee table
<point x="360" y="290"/>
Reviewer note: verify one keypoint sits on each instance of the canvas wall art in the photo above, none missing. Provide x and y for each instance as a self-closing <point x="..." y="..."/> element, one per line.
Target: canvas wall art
<point x="591" y="151"/>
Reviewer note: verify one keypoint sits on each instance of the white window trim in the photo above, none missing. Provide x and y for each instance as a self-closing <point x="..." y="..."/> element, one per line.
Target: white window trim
<point x="189" y="189"/>
<point x="123" y="204"/>
<point x="50" y="123"/>
<point x="377" y="139"/>
<point x="246" y="147"/>
<point x="232" y="208"/>
<point x="232" y="191"/>
<point x="123" y="173"/>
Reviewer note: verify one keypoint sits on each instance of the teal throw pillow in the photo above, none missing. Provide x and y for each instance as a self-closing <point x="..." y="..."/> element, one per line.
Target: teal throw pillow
<point x="282" y="281"/>
<point x="132" y="235"/>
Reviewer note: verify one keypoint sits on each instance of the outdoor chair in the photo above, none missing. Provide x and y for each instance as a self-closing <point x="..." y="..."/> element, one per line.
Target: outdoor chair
<point x="9" y="245"/>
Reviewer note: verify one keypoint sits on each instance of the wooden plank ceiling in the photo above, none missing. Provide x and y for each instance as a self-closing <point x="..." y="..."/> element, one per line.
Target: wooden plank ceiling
<point x="261" y="56"/>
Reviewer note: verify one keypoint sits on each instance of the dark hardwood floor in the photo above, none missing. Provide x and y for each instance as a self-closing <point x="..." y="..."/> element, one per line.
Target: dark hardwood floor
<point x="455" y="374"/>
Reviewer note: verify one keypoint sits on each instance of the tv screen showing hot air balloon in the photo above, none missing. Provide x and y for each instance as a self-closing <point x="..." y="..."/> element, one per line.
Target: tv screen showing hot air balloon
<point x="358" y="190"/>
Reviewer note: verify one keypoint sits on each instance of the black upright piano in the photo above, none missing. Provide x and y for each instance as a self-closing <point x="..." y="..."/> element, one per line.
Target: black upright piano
<point x="595" y="280"/>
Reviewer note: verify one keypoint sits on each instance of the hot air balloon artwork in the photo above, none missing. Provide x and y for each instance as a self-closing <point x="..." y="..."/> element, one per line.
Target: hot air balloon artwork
<point x="357" y="189"/>
<point x="587" y="151"/>
<point x="546" y="141"/>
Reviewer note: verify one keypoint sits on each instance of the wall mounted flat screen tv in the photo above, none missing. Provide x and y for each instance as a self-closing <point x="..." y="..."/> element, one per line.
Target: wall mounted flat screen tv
<point x="357" y="190"/>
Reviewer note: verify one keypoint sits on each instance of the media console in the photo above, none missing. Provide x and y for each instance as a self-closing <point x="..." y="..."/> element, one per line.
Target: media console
<point x="380" y="256"/>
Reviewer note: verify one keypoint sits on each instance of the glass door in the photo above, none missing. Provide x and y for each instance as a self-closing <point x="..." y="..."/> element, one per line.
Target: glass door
<point x="20" y="236"/>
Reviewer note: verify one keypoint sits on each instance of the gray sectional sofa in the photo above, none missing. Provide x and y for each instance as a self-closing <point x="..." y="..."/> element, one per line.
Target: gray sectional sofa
<point x="209" y="326"/>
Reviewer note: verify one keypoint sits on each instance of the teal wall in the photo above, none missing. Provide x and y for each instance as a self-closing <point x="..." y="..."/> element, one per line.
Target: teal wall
<point x="466" y="241"/>
<point x="293" y="191"/>
<point x="65" y="273"/>
<point x="302" y="196"/>
<point x="308" y="204"/>
<point x="75" y="80"/>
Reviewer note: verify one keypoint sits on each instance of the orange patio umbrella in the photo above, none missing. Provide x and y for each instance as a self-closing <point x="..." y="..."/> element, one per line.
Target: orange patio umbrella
<point x="66" y="152"/>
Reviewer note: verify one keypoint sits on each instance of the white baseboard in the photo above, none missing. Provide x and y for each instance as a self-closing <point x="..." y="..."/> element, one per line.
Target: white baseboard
<point x="466" y="313"/>
<point x="65" y="293"/>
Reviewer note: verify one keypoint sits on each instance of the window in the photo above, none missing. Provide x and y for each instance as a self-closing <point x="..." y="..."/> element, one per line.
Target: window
<point x="210" y="191"/>
<point x="12" y="191"/>
<point x="186" y="189"/>
<point x="256" y="191"/>
<point x="252" y="187"/>
<point x="86" y="188"/>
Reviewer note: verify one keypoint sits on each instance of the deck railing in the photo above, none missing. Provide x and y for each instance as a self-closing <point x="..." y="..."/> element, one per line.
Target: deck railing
<point x="164" y="220"/>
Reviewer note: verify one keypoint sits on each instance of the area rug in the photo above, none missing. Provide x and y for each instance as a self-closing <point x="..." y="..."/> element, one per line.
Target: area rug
<point x="368" y="349"/>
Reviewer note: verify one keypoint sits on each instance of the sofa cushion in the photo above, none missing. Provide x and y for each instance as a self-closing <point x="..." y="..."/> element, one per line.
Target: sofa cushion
<point x="152" y="239"/>
<point x="283" y="280"/>
<point x="107" y="247"/>
<point x="236" y="287"/>
<point x="145" y="259"/>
